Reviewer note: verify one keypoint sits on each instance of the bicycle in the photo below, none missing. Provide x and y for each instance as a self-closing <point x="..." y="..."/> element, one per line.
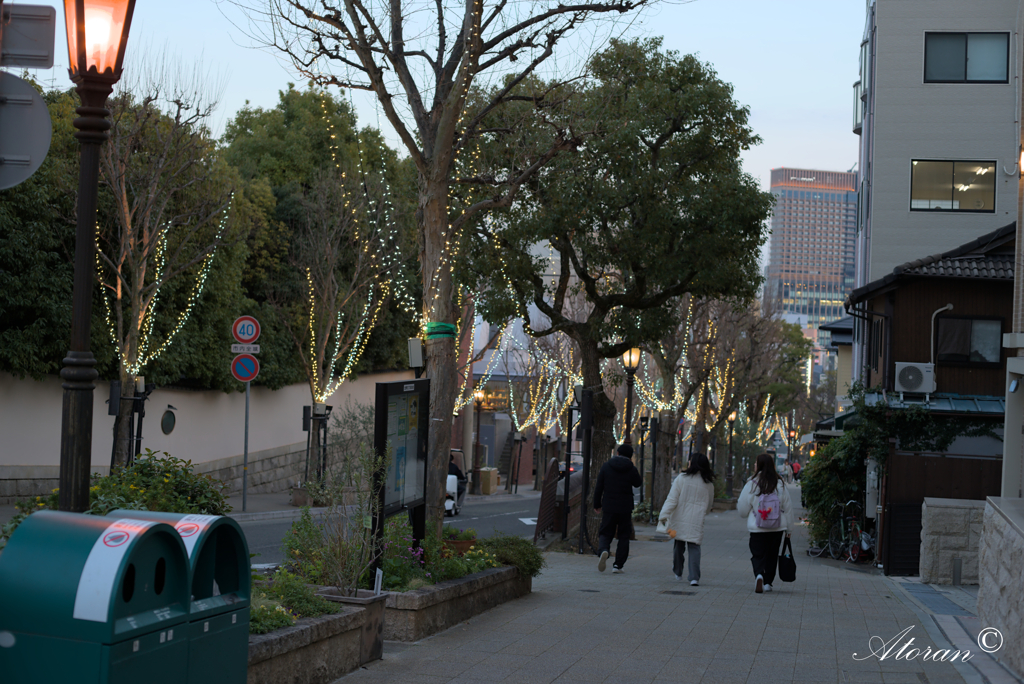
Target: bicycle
<point x="845" y="536"/>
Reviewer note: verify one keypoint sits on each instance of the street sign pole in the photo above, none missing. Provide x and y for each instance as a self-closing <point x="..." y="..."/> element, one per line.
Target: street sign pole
<point x="245" y="453"/>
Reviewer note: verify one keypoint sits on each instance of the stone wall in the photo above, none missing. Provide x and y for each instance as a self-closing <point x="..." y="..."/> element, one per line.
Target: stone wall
<point x="950" y="529"/>
<point x="1000" y="597"/>
<point x="414" y="615"/>
<point x="270" y="470"/>
<point x="313" y="651"/>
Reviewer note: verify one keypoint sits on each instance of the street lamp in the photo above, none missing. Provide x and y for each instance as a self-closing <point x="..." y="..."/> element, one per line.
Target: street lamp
<point x="792" y="436"/>
<point x="728" y="472"/>
<point x="478" y="397"/>
<point x="97" y="31"/>
<point x="630" y="360"/>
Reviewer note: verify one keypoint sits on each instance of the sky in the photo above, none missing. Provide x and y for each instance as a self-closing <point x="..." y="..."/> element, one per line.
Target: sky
<point x="792" y="62"/>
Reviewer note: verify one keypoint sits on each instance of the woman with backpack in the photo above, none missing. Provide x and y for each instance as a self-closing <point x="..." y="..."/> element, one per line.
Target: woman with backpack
<point x="766" y="505"/>
<point x="690" y="499"/>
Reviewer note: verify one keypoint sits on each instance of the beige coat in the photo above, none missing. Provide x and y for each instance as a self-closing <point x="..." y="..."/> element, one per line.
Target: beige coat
<point x="689" y="500"/>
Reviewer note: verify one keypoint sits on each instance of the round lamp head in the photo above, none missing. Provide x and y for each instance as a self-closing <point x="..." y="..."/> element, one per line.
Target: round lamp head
<point x="478" y="395"/>
<point x="792" y="434"/>
<point x="97" y="32"/>
<point x="732" y="417"/>
<point x="631" y="359"/>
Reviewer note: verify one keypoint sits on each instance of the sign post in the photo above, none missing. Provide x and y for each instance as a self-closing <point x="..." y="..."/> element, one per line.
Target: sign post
<point x="245" y="367"/>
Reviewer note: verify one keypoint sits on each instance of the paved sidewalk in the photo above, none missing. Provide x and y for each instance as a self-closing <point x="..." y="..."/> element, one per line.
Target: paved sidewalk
<point x="643" y="626"/>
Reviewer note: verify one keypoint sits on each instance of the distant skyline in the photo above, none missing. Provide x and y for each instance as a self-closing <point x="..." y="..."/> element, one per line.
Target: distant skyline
<point x="793" y="62"/>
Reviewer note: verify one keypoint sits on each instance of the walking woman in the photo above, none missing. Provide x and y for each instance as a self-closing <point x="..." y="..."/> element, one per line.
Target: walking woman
<point x="765" y="503"/>
<point x="689" y="500"/>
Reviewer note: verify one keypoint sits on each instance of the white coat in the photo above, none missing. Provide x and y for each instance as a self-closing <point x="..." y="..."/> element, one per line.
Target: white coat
<point x="746" y="506"/>
<point x="689" y="500"/>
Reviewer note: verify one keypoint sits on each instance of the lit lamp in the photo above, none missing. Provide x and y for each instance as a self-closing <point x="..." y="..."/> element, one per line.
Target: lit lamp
<point x="630" y="361"/>
<point x="792" y="437"/>
<point x="478" y="398"/>
<point x="728" y="472"/>
<point x="97" y="32"/>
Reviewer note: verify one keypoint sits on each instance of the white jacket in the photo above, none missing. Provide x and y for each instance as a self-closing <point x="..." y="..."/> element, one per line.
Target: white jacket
<point x="689" y="500"/>
<point x="746" y="505"/>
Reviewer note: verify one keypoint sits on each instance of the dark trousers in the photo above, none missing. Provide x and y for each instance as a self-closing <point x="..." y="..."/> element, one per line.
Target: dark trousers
<point x="678" y="560"/>
<point x="764" y="553"/>
<point x="616" y="525"/>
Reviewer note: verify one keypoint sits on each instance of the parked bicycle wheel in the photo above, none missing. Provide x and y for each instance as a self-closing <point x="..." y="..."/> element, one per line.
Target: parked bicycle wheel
<point x="835" y="541"/>
<point x="855" y="543"/>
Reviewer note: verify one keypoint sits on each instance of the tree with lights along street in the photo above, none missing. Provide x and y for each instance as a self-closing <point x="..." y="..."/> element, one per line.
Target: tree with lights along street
<point x="421" y="59"/>
<point x="652" y="207"/>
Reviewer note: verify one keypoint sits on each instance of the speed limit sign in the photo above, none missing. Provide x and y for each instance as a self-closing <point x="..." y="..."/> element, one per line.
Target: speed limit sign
<point x="246" y="329"/>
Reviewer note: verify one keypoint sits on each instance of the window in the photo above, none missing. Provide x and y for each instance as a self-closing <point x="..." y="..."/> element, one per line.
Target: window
<point x="968" y="340"/>
<point x="953" y="186"/>
<point x="966" y="57"/>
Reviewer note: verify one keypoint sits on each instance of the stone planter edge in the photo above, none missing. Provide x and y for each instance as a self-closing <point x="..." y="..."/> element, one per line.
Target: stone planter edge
<point x="425" y="597"/>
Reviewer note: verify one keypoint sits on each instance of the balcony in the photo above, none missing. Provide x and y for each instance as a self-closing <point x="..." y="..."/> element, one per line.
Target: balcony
<point x="858" y="108"/>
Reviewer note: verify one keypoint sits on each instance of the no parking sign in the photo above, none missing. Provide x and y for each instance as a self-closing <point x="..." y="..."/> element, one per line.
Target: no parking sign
<point x="245" y="367"/>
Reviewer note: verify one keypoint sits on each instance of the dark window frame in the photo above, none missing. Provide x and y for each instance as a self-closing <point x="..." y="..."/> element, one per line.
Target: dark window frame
<point x="952" y="187"/>
<point x="971" y="364"/>
<point x="924" y="70"/>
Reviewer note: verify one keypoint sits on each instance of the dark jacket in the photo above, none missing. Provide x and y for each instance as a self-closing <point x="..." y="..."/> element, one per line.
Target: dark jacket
<point x="614" y="491"/>
<point x="454" y="470"/>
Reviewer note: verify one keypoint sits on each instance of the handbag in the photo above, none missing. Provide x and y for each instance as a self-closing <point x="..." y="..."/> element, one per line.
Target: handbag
<point x="663" y="526"/>
<point x="787" y="564"/>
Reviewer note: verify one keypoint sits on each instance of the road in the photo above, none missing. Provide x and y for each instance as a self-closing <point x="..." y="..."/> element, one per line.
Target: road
<point x="506" y="515"/>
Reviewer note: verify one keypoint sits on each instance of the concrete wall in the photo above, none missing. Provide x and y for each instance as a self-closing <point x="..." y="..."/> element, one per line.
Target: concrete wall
<point x="1000" y="601"/>
<point x="950" y="529"/>
<point x="915" y="120"/>
<point x="209" y="431"/>
<point x="209" y="425"/>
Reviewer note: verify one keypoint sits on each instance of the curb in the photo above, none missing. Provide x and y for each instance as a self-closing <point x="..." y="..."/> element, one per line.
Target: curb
<point x="273" y="515"/>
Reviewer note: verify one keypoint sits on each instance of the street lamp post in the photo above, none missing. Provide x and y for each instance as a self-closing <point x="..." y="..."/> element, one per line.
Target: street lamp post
<point x="728" y="472"/>
<point x="792" y="437"/>
<point x="630" y="360"/>
<point x="478" y="398"/>
<point x="97" y="31"/>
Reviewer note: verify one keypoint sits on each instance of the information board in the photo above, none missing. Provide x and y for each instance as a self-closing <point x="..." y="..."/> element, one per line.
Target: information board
<point x="401" y="423"/>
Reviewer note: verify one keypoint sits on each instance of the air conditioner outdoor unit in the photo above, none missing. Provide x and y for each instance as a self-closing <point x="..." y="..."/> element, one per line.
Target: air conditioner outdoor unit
<point x="915" y="377"/>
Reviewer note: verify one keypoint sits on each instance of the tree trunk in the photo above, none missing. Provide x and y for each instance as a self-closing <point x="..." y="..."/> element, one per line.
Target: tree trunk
<point x="667" y="424"/>
<point x="124" y="446"/>
<point x="442" y="369"/>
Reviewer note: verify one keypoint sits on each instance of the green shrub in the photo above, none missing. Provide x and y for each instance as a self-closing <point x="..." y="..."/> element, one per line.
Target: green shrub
<point x="520" y="553"/>
<point x="836" y="473"/>
<point x="401" y="563"/>
<point x="155" y="481"/>
<point x="451" y="534"/>
<point x="303" y="546"/>
<point x="294" y="594"/>
<point x="266" y="615"/>
<point x="642" y="511"/>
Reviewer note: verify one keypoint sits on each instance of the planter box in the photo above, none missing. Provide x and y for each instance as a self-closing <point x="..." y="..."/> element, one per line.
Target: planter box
<point x="300" y="497"/>
<point x="312" y="651"/>
<point x="372" y="640"/>
<point x="458" y="546"/>
<point x="417" y="614"/>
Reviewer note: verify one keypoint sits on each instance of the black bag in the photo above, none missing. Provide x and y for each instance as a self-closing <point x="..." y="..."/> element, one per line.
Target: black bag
<point x="787" y="564"/>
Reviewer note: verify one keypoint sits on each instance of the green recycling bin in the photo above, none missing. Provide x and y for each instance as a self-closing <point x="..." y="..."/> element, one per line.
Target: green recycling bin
<point x="85" y="598"/>
<point x="219" y="611"/>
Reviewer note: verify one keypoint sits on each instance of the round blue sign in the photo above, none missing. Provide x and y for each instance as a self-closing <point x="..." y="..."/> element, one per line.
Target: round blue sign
<point x="245" y="367"/>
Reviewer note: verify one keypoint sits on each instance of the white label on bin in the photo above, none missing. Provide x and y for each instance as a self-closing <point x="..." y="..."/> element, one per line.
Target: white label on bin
<point x="170" y="634"/>
<point x="95" y="586"/>
<point x="135" y="646"/>
<point x="190" y="528"/>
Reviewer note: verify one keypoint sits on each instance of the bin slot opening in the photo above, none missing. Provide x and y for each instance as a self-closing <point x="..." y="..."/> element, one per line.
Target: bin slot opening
<point x="128" y="583"/>
<point x="218" y="566"/>
<point x="161" y="576"/>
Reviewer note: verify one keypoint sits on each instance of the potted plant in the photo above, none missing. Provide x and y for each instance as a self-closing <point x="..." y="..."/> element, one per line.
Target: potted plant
<point x="459" y="541"/>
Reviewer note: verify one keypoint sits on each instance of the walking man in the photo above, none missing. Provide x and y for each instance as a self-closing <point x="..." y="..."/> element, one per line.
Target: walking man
<point x="613" y="499"/>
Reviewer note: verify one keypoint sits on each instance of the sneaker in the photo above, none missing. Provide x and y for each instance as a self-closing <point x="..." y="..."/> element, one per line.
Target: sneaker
<point x="616" y="570"/>
<point x="678" y="577"/>
<point x="603" y="563"/>
<point x="693" y="583"/>
<point x="767" y="588"/>
<point x="759" y="585"/>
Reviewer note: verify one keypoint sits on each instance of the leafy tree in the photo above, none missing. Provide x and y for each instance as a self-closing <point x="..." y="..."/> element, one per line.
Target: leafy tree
<point x="652" y="207"/>
<point x="422" y="79"/>
<point x="37" y="232"/>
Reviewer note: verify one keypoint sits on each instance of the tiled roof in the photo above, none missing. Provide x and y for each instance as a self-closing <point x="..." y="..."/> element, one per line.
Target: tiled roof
<point x="990" y="266"/>
<point x="988" y="257"/>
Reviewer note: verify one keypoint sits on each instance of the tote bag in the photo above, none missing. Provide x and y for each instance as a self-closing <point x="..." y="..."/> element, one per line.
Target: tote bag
<point x="787" y="564"/>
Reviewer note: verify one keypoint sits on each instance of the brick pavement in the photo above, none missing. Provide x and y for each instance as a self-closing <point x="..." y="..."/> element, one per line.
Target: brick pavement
<point x="583" y="626"/>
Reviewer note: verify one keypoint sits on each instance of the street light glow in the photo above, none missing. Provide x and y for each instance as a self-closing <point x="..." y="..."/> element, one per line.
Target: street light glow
<point x="631" y="359"/>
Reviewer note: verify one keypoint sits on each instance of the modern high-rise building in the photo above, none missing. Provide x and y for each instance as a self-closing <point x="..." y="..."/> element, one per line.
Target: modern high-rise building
<point x="812" y="251"/>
